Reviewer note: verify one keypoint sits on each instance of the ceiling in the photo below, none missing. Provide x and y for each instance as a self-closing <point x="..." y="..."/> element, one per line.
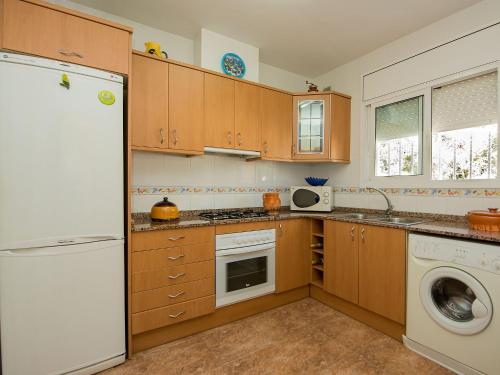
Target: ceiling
<point x="308" y="37"/>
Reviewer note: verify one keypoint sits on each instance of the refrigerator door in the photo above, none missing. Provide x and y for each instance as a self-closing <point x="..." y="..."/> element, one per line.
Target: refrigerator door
<point x="62" y="308"/>
<point x="61" y="151"/>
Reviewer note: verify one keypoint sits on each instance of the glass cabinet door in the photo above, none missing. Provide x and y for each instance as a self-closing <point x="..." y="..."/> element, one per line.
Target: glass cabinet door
<point x="311" y="127"/>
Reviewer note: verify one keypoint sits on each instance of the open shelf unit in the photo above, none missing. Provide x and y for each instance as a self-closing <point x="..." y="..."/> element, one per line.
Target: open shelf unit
<point x="317" y="252"/>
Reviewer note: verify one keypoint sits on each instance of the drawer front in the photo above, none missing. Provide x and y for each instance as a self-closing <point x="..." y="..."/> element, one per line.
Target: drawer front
<point x="163" y="258"/>
<point x="171" y="295"/>
<point x="171" y="238"/>
<point x="42" y="31"/>
<point x="172" y="275"/>
<point x="165" y="316"/>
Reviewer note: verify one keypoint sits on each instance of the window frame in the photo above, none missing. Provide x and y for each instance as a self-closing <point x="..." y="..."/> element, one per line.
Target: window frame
<point x="423" y="180"/>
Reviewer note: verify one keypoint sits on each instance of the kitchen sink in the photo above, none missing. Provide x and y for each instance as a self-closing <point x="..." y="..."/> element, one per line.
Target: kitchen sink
<point x="398" y="220"/>
<point x="358" y="216"/>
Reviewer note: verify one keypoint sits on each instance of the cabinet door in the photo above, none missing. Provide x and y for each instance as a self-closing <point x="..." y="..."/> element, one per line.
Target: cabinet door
<point x="276" y="109"/>
<point x="311" y="128"/>
<point x="292" y="254"/>
<point x="39" y="30"/>
<point x="185" y="106"/>
<point x="247" y="116"/>
<point x="219" y="111"/>
<point x="341" y="259"/>
<point x="341" y="129"/>
<point x="382" y="270"/>
<point x="149" y="102"/>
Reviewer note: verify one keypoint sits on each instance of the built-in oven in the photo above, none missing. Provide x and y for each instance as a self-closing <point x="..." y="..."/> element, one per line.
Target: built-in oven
<point x="245" y="265"/>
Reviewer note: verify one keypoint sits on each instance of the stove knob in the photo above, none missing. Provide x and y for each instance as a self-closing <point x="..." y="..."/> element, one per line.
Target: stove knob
<point x="496" y="265"/>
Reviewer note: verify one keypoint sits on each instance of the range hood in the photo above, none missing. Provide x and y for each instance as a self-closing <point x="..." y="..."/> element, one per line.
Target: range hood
<point x="232" y="151"/>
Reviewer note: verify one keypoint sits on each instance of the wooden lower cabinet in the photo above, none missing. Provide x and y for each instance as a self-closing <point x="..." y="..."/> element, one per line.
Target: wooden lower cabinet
<point x="341" y="259"/>
<point x="366" y="265"/>
<point x="292" y="254"/>
<point x="382" y="271"/>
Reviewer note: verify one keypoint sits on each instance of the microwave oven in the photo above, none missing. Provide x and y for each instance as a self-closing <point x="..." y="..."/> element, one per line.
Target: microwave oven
<point x="311" y="198"/>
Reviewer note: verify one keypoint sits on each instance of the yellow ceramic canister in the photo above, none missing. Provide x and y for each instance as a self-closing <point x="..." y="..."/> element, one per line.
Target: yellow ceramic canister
<point x="164" y="211"/>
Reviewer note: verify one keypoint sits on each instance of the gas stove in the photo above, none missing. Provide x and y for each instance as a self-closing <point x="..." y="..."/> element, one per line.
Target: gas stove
<point x="232" y="215"/>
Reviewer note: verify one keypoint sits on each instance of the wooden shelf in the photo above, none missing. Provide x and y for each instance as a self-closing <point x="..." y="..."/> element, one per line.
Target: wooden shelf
<point x="318" y="283"/>
<point x="318" y="267"/>
<point x="318" y="251"/>
<point x="318" y="235"/>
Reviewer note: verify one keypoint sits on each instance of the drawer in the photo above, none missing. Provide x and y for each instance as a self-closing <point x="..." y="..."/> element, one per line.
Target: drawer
<point x="171" y="238"/>
<point x="162" y="258"/>
<point x="40" y="30"/>
<point x="170" y="295"/>
<point x="165" y="316"/>
<point x="172" y="275"/>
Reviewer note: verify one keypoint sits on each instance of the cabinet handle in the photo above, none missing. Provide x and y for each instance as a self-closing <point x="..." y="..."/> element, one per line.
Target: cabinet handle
<point x="239" y="139"/>
<point x="177" y="257"/>
<point x="178" y="314"/>
<point x="176" y="294"/>
<point x="293" y="149"/>
<point x="176" y="238"/>
<point x="352" y="234"/>
<point x="266" y="147"/>
<point x="176" y="276"/>
<point x="70" y="53"/>
<point x="162" y="137"/>
<point x="229" y="137"/>
<point x="363" y="234"/>
<point x="174" y="136"/>
<point x="281" y="228"/>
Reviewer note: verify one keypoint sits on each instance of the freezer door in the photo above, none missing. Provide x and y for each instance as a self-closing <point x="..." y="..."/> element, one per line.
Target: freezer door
<point x="61" y="308"/>
<point x="61" y="154"/>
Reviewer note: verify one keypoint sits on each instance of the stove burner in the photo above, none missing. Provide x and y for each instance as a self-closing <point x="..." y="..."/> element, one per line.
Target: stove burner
<point x="228" y="215"/>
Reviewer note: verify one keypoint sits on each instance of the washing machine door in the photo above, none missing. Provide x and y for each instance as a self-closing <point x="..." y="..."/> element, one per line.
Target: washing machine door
<point x="456" y="300"/>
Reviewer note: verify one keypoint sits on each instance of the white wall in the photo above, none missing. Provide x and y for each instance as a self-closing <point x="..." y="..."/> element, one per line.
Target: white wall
<point x="347" y="78"/>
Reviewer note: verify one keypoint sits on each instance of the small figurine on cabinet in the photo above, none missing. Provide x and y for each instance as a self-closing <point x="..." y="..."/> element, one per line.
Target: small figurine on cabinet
<point x="312" y="87"/>
<point x="154" y="49"/>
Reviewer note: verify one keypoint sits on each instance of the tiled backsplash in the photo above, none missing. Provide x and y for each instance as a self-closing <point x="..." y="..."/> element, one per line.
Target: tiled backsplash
<point x="209" y="181"/>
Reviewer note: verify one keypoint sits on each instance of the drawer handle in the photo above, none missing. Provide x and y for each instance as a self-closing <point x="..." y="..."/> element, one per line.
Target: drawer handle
<point x="176" y="238"/>
<point x="177" y="294"/>
<point x="74" y="54"/>
<point x="177" y="257"/>
<point x="178" y="314"/>
<point x="176" y="276"/>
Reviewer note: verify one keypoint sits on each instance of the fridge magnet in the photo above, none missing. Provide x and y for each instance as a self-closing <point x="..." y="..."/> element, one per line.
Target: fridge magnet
<point x="106" y="97"/>
<point x="233" y="65"/>
<point x="64" y="81"/>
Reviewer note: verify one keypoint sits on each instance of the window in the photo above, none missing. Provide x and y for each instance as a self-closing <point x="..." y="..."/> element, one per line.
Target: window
<point x="465" y="129"/>
<point x="398" y="138"/>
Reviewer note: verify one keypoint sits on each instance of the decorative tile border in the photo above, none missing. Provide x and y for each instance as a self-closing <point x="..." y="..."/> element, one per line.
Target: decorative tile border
<point x="421" y="192"/>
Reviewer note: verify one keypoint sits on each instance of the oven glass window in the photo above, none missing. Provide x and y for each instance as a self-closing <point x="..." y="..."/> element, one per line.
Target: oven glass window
<point x="245" y="273"/>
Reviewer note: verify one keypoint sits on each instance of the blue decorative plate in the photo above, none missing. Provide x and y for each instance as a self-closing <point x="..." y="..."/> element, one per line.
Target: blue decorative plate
<point x="233" y="65"/>
<point x="316" y="181"/>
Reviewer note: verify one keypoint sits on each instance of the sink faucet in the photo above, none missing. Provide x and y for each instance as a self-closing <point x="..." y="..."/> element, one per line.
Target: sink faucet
<point x="390" y="207"/>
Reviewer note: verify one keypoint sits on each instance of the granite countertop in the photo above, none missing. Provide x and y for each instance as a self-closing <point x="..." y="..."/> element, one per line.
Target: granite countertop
<point x="444" y="225"/>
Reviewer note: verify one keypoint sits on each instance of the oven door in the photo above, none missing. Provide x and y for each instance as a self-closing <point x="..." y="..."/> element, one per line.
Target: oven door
<point x="244" y="273"/>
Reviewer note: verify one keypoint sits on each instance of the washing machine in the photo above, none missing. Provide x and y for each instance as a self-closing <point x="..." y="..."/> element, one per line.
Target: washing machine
<point x="453" y="303"/>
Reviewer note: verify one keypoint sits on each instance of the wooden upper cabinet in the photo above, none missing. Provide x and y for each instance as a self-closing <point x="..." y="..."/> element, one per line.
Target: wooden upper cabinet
<point x="311" y="127"/>
<point x="276" y="110"/>
<point x="149" y="102"/>
<point x="247" y="116"/>
<point x="219" y="111"/>
<point x="293" y="259"/>
<point x="382" y="271"/>
<point x="341" y="259"/>
<point x="185" y="106"/>
<point x="51" y="31"/>
<point x="341" y="129"/>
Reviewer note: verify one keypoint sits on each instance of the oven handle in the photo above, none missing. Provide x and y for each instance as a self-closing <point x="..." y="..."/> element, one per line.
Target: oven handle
<point x="245" y="250"/>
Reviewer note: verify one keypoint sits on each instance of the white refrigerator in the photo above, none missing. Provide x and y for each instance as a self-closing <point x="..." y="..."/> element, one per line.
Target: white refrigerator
<point x="62" y="279"/>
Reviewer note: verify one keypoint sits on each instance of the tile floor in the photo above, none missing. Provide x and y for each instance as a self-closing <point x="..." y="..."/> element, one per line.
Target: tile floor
<point x="305" y="337"/>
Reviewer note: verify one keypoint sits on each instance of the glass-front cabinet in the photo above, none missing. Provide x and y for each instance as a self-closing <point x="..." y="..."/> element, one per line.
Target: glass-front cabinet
<point x="311" y="131"/>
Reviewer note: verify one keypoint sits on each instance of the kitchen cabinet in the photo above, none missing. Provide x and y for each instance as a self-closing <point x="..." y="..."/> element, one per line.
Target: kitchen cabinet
<point x="219" y="111"/>
<point x="149" y="103"/>
<point x="311" y="127"/>
<point x="276" y="126"/>
<point x="247" y="116"/>
<point x="292" y="254"/>
<point x="54" y="32"/>
<point x="382" y="271"/>
<point x="341" y="259"/>
<point x="185" y="106"/>
<point x="366" y="265"/>
<point x="340" y="147"/>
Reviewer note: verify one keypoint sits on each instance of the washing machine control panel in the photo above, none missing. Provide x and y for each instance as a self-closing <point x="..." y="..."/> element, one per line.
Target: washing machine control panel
<point x="465" y="253"/>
